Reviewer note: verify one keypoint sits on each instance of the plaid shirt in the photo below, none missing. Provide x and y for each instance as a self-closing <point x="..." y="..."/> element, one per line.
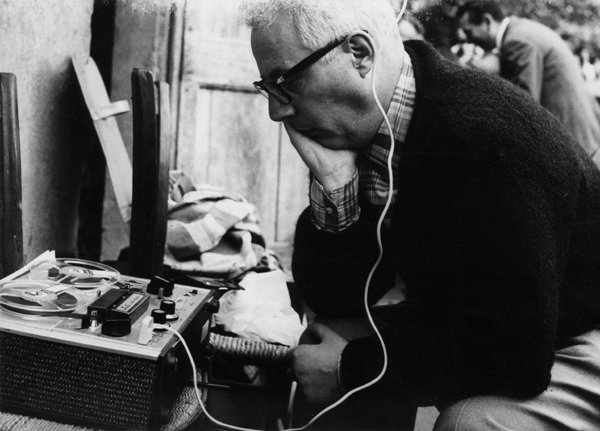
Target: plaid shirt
<point x="336" y="210"/>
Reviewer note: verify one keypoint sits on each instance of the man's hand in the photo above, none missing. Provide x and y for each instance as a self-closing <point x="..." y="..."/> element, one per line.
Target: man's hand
<point x="488" y="62"/>
<point x="315" y="365"/>
<point x="332" y="168"/>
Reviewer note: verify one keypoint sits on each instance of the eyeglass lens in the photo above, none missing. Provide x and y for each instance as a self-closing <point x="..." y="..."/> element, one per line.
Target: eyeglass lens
<point x="267" y="88"/>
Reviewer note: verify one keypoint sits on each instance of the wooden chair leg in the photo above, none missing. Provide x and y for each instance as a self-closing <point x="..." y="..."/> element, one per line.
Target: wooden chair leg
<point x="11" y="229"/>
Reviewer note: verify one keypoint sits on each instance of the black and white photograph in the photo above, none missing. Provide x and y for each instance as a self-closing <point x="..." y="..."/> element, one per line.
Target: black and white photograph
<point x="290" y="215"/>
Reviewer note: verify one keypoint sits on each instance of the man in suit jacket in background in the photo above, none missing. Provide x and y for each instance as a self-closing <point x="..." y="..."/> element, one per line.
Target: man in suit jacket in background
<point x="537" y="59"/>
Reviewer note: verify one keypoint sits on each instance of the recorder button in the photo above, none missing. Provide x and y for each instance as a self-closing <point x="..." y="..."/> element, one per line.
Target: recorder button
<point x="146" y="330"/>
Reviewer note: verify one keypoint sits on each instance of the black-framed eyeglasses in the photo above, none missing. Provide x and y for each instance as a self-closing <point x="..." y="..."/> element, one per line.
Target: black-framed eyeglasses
<point x="272" y="87"/>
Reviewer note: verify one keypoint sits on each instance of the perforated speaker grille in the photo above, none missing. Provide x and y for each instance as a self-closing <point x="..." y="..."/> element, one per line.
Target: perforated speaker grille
<point x="77" y="384"/>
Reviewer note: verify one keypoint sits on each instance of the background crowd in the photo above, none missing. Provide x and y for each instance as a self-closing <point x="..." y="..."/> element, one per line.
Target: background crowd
<point x="577" y="23"/>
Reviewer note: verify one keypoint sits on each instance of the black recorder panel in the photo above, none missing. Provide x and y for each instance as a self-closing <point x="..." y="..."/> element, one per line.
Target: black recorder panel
<point x="120" y="302"/>
<point x="52" y="367"/>
<point x="118" y="305"/>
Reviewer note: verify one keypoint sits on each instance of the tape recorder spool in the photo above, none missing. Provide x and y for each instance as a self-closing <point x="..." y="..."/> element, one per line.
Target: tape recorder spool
<point x="78" y="273"/>
<point x="41" y="298"/>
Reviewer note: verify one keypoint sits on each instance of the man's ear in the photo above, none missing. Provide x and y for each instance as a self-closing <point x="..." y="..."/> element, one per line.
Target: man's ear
<point x="362" y="47"/>
<point x="488" y="19"/>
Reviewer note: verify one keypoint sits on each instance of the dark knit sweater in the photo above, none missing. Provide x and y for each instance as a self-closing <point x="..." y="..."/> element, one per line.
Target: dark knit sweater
<point x="495" y="231"/>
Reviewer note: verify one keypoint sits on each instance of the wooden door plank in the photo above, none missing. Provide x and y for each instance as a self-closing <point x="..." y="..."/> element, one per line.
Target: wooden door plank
<point x="241" y="161"/>
<point x="193" y="134"/>
<point x="102" y="112"/>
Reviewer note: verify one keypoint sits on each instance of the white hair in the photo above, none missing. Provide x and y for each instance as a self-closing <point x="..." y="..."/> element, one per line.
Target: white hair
<point x="318" y="22"/>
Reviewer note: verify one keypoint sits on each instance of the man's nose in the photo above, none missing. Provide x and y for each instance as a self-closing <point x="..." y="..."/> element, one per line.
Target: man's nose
<point x="280" y="111"/>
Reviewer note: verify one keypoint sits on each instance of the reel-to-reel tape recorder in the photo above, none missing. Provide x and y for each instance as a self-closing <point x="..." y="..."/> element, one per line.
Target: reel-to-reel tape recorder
<point x="56" y="287"/>
<point x="75" y="346"/>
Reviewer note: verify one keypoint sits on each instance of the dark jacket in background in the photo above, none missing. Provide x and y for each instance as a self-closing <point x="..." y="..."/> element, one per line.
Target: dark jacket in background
<point x="538" y="60"/>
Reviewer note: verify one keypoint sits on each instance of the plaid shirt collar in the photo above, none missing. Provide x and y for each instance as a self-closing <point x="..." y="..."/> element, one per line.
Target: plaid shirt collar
<point x="399" y="114"/>
<point x="374" y="179"/>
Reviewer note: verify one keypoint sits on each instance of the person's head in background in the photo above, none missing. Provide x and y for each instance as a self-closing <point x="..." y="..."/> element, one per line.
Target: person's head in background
<point x="329" y="99"/>
<point x="480" y="22"/>
<point x="439" y="25"/>
<point x="472" y="55"/>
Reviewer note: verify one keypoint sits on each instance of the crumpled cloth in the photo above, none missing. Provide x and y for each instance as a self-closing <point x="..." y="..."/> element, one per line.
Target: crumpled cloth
<point x="262" y="311"/>
<point x="211" y="230"/>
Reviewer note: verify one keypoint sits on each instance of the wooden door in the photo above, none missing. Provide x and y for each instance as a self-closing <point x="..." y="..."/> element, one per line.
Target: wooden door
<point x="224" y="135"/>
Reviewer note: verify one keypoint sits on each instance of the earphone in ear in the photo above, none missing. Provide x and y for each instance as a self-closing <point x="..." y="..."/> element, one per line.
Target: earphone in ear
<point x="360" y="49"/>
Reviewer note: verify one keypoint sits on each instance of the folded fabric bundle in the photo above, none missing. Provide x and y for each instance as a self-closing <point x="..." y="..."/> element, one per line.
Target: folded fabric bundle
<point x="212" y="230"/>
<point x="262" y="311"/>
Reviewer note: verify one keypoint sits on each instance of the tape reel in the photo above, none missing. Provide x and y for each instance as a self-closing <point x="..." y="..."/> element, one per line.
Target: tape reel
<point x="78" y="273"/>
<point x="40" y="298"/>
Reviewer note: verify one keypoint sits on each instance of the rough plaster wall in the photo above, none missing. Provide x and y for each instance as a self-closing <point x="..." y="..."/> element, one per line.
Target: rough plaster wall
<point x="37" y="39"/>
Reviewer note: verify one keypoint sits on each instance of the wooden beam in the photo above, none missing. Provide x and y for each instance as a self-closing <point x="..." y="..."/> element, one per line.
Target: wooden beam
<point x="151" y="149"/>
<point x="11" y="230"/>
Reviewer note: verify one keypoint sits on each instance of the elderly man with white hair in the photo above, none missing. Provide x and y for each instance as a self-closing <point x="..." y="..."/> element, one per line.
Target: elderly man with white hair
<point x="486" y="210"/>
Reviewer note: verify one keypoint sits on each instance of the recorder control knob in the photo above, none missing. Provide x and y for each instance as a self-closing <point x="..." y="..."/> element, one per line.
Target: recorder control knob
<point x="160" y="285"/>
<point x="116" y="325"/>
<point x="159" y="316"/>
<point x="212" y="307"/>
<point x="168" y="306"/>
<point x="171" y="363"/>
